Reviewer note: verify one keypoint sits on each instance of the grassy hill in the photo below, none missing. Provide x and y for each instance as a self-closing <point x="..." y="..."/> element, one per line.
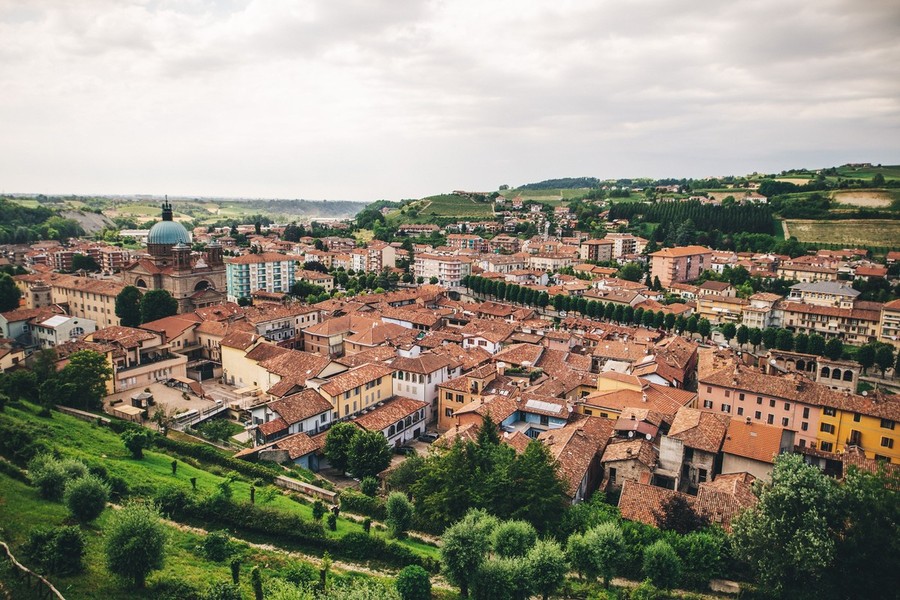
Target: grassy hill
<point x="21" y="509"/>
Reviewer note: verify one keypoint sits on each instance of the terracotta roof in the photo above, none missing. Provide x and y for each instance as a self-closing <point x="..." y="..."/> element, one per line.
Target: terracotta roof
<point x="274" y="426"/>
<point x="682" y="251"/>
<point x="296" y="445"/>
<point x="640" y="450"/>
<point x="265" y="351"/>
<point x="66" y="349"/>
<point x="298" y="407"/>
<point x="382" y="417"/>
<point x="493" y="331"/>
<point x="242" y="340"/>
<point x="517" y="354"/>
<point x="716" y="286"/>
<point x="369" y="355"/>
<point x="859" y="311"/>
<point x="752" y="440"/>
<point x="699" y="429"/>
<point x="575" y="446"/>
<point x="295" y="365"/>
<point x="172" y="327"/>
<point x="126" y="337"/>
<point x="659" y="398"/>
<point x="423" y="364"/>
<point x="378" y="334"/>
<point x="355" y="378"/>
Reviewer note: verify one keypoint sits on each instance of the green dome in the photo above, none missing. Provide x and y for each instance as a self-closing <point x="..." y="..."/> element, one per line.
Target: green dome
<point x="168" y="232"/>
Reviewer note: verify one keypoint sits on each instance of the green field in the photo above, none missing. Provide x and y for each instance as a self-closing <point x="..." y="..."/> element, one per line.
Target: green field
<point x="866" y="233"/>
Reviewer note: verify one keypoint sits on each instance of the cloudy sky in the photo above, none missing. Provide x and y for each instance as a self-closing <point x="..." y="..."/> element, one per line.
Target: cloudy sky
<point x="368" y="99"/>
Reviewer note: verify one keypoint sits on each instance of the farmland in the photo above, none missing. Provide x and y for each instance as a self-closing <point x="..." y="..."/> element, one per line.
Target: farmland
<point x="866" y="198"/>
<point x="443" y="206"/>
<point x="871" y="232"/>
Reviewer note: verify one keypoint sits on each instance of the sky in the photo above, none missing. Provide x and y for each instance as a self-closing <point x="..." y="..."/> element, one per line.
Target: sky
<point x="393" y="99"/>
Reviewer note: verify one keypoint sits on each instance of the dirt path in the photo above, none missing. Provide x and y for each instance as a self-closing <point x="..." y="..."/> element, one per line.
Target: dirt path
<point x="784" y="228"/>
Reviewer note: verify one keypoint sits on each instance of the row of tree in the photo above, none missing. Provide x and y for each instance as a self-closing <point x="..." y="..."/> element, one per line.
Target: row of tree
<point x="135" y="308"/>
<point x="751" y="218"/>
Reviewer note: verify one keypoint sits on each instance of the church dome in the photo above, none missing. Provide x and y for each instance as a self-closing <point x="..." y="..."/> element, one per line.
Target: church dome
<point x="168" y="232"/>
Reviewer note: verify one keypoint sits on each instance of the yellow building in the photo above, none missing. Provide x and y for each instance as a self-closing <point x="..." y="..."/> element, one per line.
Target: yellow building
<point x="870" y="423"/>
<point x="356" y="390"/>
<point x="458" y="392"/>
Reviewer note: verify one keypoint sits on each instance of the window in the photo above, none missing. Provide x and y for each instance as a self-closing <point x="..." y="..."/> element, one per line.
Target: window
<point x="346" y="395"/>
<point x="740" y="411"/>
<point x="757" y="415"/>
<point x="856" y="417"/>
<point x="707" y="404"/>
<point x="728" y="393"/>
<point x="804" y="426"/>
<point x="770" y="419"/>
<point x="449" y="396"/>
<point x="827" y="446"/>
<point x="448" y="412"/>
<point x="612" y="475"/>
<point x="829" y="412"/>
<point x="701" y="475"/>
<point x="772" y="403"/>
<point x="827" y="428"/>
<point x="806" y="412"/>
<point x="323" y="418"/>
<point x="887" y="424"/>
<point x="784" y="421"/>
<point x="709" y="389"/>
<point x="787" y="406"/>
<point x="726" y="408"/>
<point x="759" y="399"/>
<point x="887" y="442"/>
<point x="803" y="443"/>
<point x="588" y="411"/>
<point x="688" y="454"/>
<point x="545" y="420"/>
<point x="740" y="396"/>
<point x="855" y="438"/>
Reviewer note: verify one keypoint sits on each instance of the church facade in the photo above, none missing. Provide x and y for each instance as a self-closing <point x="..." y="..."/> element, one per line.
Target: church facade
<point x="195" y="280"/>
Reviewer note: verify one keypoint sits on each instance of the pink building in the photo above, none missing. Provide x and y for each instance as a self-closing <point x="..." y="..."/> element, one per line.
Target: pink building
<point x="677" y="265"/>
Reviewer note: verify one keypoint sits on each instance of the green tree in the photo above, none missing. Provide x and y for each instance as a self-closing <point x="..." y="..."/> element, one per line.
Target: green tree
<point x="215" y="430"/>
<point x="816" y="344"/>
<point x="135" y="541"/>
<point x="884" y="358"/>
<point x="743" y="335"/>
<point x="865" y="356"/>
<point x="84" y="262"/>
<point x="85" y="378"/>
<point x="755" y="337"/>
<point x="86" y="497"/>
<point x="402" y="477"/>
<point x="464" y="548"/>
<point x="128" y="306"/>
<point x="729" y="331"/>
<point x="136" y="439"/>
<point x="834" y="349"/>
<point x="9" y="293"/>
<point x="787" y="539"/>
<point x="784" y="340"/>
<point x="539" y="489"/>
<point x="338" y="443"/>
<point x="769" y="336"/>
<point x="369" y="454"/>
<point x="413" y="583"/>
<point x="582" y="556"/>
<point x="546" y="567"/>
<point x="399" y="513"/>
<point x="514" y="538"/>
<point x="704" y="328"/>
<point x="58" y="550"/>
<point x="801" y="343"/>
<point x="661" y="565"/>
<point x="630" y="272"/>
<point x="157" y="304"/>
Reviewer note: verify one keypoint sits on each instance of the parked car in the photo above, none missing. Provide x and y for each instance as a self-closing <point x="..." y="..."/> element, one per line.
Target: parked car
<point x="428" y="437"/>
<point x="406" y="450"/>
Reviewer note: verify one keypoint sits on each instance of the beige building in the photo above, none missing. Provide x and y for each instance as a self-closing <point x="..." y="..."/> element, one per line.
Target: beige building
<point x="140" y="357"/>
<point x="356" y="390"/>
<point x="889" y="324"/>
<point x="448" y="270"/>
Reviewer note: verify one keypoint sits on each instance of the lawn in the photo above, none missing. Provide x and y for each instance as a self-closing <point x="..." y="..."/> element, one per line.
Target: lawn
<point x="866" y="233"/>
<point x="95" y="445"/>
<point x="21" y="510"/>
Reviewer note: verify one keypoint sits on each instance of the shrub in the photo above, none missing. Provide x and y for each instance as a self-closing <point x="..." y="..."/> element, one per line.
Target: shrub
<point x="413" y="583"/>
<point x="332" y="521"/>
<point x="211" y="455"/>
<point x="514" y="538"/>
<point x="661" y="565"/>
<point x="702" y="554"/>
<point x="135" y="543"/>
<point x="172" y="501"/>
<point x="645" y="591"/>
<point x="86" y="497"/>
<point x="369" y="486"/>
<point x="399" y="514"/>
<point x="318" y="510"/>
<point x="136" y="440"/>
<point x="48" y="475"/>
<point x="223" y="590"/>
<point x="217" y="546"/>
<point x="173" y="589"/>
<point x="300" y="574"/>
<point x="59" y="550"/>
<point x="354" y="502"/>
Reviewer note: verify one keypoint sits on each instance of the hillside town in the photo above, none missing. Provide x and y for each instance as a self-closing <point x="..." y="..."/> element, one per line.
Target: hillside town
<point x="647" y="377"/>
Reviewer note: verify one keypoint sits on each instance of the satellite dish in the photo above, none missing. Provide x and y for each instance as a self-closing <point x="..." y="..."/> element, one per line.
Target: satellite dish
<point x="648" y="436"/>
<point x="630" y="434"/>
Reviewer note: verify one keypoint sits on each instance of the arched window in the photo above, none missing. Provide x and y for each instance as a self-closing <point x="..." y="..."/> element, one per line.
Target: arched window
<point x="801" y="365"/>
<point x="826" y="372"/>
<point x="202" y="285"/>
<point x="76" y="332"/>
<point x="836" y="374"/>
<point x="848" y="375"/>
<point x="140" y="283"/>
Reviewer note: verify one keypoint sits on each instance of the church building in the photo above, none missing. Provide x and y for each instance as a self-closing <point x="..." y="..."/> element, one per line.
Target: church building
<point x="195" y="280"/>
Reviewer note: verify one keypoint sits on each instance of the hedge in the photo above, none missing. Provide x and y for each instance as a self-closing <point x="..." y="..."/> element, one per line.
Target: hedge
<point x="355" y="502"/>
<point x="210" y="455"/>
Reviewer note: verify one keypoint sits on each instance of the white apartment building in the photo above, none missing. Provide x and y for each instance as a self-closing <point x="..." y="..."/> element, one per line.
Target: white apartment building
<point x="268" y="271"/>
<point x="449" y="270"/>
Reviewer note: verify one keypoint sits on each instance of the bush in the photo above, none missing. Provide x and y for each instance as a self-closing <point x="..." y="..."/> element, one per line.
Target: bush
<point x="86" y="497"/>
<point x="413" y="583"/>
<point x="702" y="554"/>
<point x="399" y="514"/>
<point x="300" y="574"/>
<point x="20" y="443"/>
<point x="514" y="538"/>
<point x="173" y="589"/>
<point x="223" y="590"/>
<point x="136" y="440"/>
<point x="49" y="476"/>
<point x="661" y="565"/>
<point x="318" y="510"/>
<point x="211" y="455"/>
<point x="645" y="591"/>
<point x="135" y="543"/>
<point x="354" y="502"/>
<point x="172" y="501"/>
<point x="369" y="486"/>
<point x="217" y="546"/>
<point x="58" y="551"/>
<point x="332" y="521"/>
